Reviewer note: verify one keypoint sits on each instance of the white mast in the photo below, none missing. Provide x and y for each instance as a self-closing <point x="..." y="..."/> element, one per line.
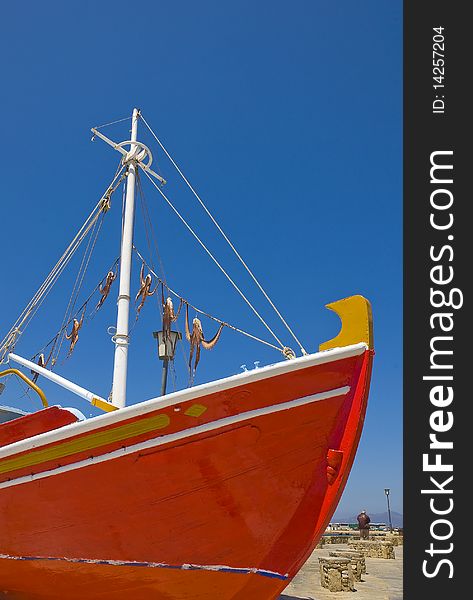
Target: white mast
<point x="121" y="336"/>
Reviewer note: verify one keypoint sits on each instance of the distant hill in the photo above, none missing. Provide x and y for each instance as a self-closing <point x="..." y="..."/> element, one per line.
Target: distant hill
<point x="382" y="517"/>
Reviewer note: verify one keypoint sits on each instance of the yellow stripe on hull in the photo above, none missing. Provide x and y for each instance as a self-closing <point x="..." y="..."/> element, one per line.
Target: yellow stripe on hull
<point x="90" y="442"/>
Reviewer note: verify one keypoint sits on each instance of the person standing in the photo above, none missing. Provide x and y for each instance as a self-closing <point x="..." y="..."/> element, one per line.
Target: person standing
<point x="363" y="525"/>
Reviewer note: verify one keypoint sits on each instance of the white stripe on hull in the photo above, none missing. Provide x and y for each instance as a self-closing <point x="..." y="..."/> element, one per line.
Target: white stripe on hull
<point x="179" y="435"/>
<point x="195" y="393"/>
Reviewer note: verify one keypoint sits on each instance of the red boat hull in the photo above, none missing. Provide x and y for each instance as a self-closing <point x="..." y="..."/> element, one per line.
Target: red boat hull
<point x="221" y="495"/>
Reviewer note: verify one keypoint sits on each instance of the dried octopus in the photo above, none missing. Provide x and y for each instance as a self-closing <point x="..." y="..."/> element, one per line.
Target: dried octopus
<point x="105" y="289"/>
<point x="169" y="316"/>
<point x="41" y="363"/>
<point x="145" y="289"/>
<point x="196" y="339"/>
<point x="74" y="335"/>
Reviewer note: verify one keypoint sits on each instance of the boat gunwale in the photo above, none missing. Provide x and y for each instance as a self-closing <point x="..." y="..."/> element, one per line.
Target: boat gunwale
<point x="177" y="436"/>
<point x="154" y="404"/>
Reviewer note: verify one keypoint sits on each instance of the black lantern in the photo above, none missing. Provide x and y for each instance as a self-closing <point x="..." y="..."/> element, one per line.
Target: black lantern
<point x="166" y="350"/>
<point x="167" y="347"/>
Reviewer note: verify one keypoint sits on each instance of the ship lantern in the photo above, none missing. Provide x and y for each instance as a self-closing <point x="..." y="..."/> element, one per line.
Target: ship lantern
<point x="166" y="350"/>
<point x="167" y="347"/>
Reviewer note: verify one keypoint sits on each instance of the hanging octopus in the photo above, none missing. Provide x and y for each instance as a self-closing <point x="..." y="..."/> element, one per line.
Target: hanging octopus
<point x="74" y="335"/>
<point x="105" y="289"/>
<point x="169" y="316"/>
<point x="196" y="339"/>
<point x="41" y="363"/>
<point x="145" y="289"/>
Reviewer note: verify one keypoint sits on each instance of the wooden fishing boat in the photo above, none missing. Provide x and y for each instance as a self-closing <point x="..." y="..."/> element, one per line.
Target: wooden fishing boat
<point x="225" y="488"/>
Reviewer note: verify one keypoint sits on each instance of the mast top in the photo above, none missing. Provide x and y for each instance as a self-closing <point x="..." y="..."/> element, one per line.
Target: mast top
<point x="137" y="153"/>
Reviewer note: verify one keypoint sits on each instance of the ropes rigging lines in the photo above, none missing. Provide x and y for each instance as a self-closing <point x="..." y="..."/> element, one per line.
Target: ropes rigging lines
<point x="215" y="261"/>
<point x="91" y="227"/>
<point x="34" y="304"/>
<point x="198" y="310"/>
<point x="214" y="221"/>
<point x="79" y="280"/>
<point x="149" y="230"/>
<point x="65" y="325"/>
<point x="112" y="123"/>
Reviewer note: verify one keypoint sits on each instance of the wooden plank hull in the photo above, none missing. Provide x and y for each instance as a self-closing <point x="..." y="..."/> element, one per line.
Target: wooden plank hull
<point x="220" y="492"/>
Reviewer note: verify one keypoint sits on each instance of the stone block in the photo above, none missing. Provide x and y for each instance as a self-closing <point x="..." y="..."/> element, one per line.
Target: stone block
<point x="397" y="540"/>
<point x="338" y="539"/>
<point x="336" y="574"/>
<point x="373" y="549"/>
<point x="349" y="552"/>
<point x="357" y="561"/>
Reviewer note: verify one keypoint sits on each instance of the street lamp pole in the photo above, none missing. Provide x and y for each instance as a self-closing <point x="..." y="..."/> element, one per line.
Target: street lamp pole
<point x="386" y="491"/>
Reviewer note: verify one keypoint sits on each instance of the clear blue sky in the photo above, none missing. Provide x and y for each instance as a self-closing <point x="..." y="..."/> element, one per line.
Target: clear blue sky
<point x="287" y="118"/>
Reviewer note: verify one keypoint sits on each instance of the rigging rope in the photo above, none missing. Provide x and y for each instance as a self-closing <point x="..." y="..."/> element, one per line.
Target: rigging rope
<point x="198" y="310"/>
<point x="215" y="260"/>
<point x="149" y="228"/>
<point x="24" y="388"/>
<point x="112" y="122"/>
<point x="224" y="235"/>
<point x="78" y="311"/>
<point x="80" y="277"/>
<point x="34" y="304"/>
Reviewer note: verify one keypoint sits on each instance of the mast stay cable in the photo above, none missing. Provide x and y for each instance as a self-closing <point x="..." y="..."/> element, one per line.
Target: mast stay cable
<point x="80" y="279"/>
<point x="77" y="312"/>
<point x="224" y="235"/>
<point x="149" y="229"/>
<point x="112" y="123"/>
<point x="282" y="347"/>
<point x="8" y="342"/>
<point x="198" y="310"/>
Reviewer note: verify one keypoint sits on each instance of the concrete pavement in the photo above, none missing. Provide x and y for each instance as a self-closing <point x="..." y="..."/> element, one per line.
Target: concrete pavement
<point x="383" y="580"/>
